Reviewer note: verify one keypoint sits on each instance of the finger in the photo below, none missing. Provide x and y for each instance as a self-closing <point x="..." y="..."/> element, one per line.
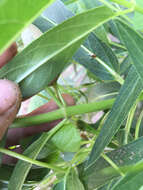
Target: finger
<point x="15" y="135"/>
<point x="10" y="98"/>
<point x="8" y="54"/>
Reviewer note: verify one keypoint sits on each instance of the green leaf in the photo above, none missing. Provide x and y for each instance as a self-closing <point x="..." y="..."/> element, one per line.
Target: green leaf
<point x="126" y="155"/>
<point x="125" y="65"/>
<point x="13" y="20"/>
<point x="67" y="139"/>
<point x="67" y="2"/>
<point x="113" y="28"/>
<point x="22" y="168"/>
<point x="102" y="34"/>
<point x="49" y="153"/>
<point x="133" y="179"/>
<point x="128" y="94"/>
<point x="60" y="186"/>
<point x="121" y="135"/>
<point x="43" y="24"/>
<point x="35" y="174"/>
<point x="38" y="61"/>
<point x="102" y="51"/>
<point x="57" y="13"/>
<point x="138" y="17"/>
<point x="108" y="186"/>
<point x="37" y="101"/>
<point x="133" y="42"/>
<point x="3" y="186"/>
<point x="90" y="4"/>
<point x="131" y="182"/>
<point x="70" y="182"/>
<point x="73" y="182"/>
<point x="103" y="91"/>
<point x="82" y="55"/>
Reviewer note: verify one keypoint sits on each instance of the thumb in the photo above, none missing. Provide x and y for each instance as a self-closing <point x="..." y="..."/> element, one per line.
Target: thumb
<point x="10" y="98"/>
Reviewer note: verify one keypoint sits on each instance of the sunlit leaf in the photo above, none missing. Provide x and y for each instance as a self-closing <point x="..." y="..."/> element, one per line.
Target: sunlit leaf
<point x="13" y="18"/>
<point x="38" y="61"/>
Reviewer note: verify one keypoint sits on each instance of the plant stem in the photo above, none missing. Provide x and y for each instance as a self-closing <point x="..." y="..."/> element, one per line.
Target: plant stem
<point x="61" y="98"/>
<point x="113" y="164"/>
<point x="44" y="97"/>
<point x="138" y="125"/>
<point x="129" y="122"/>
<point x="118" y="45"/>
<point x="29" y="160"/>
<point x="60" y="113"/>
<point x="47" y="136"/>
<point x="129" y="4"/>
<point x="53" y="96"/>
<point x="117" y="77"/>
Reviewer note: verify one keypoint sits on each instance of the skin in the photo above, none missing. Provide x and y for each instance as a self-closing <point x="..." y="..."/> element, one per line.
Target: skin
<point x="10" y="97"/>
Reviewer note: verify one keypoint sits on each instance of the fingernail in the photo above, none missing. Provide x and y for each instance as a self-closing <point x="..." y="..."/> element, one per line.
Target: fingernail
<point x="8" y="95"/>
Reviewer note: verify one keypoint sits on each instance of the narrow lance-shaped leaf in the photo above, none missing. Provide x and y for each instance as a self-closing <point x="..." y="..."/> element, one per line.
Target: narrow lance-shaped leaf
<point x="128" y="94"/>
<point x="126" y="155"/>
<point x="101" y="50"/>
<point x="60" y="186"/>
<point x="133" y="42"/>
<point x="22" y="168"/>
<point x="57" y="12"/>
<point x="70" y="182"/>
<point x="35" y="174"/>
<point x="13" y="19"/>
<point x="38" y="61"/>
<point x="131" y="181"/>
<point x="108" y="186"/>
<point x="92" y="43"/>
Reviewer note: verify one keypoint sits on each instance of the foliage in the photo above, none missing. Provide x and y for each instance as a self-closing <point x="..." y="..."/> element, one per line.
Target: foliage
<point x="99" y="42"/>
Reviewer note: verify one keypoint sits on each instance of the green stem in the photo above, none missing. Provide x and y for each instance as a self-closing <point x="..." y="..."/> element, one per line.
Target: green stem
<point x="61" y="98"/>
<point x="35" y="162"/>
<point x="129" y="4"/>
<point x="117" y="45"/>
<point x="52" y="94"/>
<point x="44" y="97"/>
<point x="113" y="164"/>
<point x="117" y="77"/>
<point x="138" y="125"/>
<point x="60" y="113"/>
<point x="109" y="5"/>
<point x="29" y="160"/>
<point x="110" y="70"/>
<point x="47" y="181"/>
<point x="129" y="122"/>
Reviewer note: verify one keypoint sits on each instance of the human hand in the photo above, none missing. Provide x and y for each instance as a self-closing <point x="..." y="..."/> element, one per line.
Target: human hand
<point x="10" y="96"/>
<point x="9" y="105"/>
